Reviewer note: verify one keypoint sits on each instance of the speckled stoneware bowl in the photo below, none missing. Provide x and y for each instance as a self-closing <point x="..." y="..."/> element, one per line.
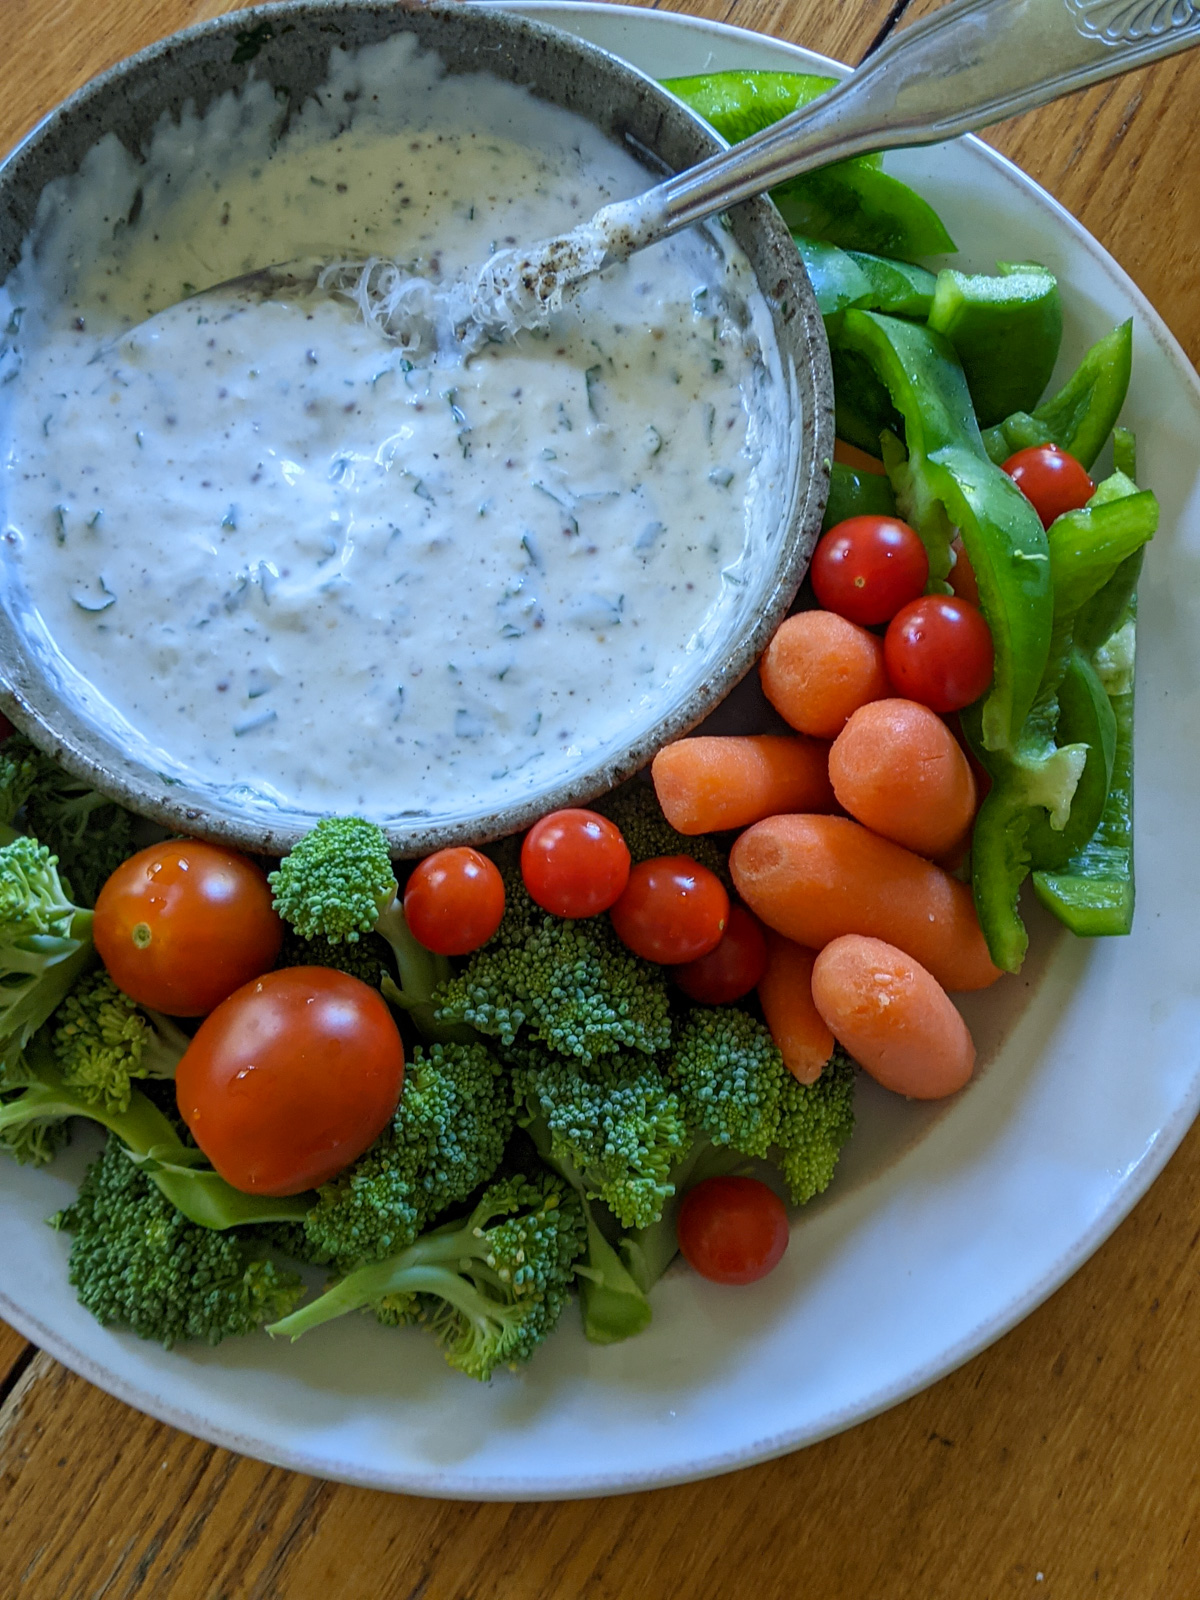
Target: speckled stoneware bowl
<point x="289" y="46"/>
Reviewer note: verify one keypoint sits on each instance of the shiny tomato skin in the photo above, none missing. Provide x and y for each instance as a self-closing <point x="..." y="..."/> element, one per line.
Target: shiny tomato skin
<point x="867" y="567"/>
<point x="673" y="910"/>
<point x="732" y="1230"/>
<point x="733" y="969"/>
<point x="1051" y="480"/>
<point x="575" y="863"/>
<point x="454" y="901"/>
<point x="938" y="651"/>
<point x="181" y="925"/>
<point x="291" y="1079"/>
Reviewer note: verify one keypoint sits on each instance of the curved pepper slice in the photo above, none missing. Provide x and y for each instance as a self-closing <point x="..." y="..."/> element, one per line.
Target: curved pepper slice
<point x="1006" y="330"/>
<point x="1080" y="417"/>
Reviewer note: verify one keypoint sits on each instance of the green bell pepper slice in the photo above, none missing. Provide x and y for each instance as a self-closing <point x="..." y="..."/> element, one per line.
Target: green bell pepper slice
<point x="856" y="494"/>
<point x="897" y="287"/>
<point x="1007" y="331"/>
<point x="1080" y="417"/>
<point x="946" y="481"/>
<point x="1085" y="717"/>
<point x="843" y="279"/>
<point x="852" y="203"/>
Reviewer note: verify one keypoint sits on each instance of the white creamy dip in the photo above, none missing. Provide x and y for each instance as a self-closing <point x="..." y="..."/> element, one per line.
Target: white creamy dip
<point x="280" y="556"/>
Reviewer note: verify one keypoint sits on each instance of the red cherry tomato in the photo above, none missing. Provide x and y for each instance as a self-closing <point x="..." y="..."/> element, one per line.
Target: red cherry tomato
<point x="454" y="900"/>
<point x="733" y="968"/>
<point x="1051" y="480"/>
<point x="732" y="1230"/>
<point x="575" y="863"/>
<point x="291" y="1078"/>
<point x="866" y="568"/>
<point x="673" y="910"/>
<point x="183" y="924"/>
<point x="938" y="651"/>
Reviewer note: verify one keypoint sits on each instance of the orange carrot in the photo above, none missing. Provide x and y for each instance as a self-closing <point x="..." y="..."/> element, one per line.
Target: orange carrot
<point x="710" y="783"/>
<point x="814" y="879"/>
<point x="897" y="768"/>
<point x="849" y="455"/>
<point x="785" y="994"/>
<point x="893" y="1017"/>
<point x="818" y="670"/>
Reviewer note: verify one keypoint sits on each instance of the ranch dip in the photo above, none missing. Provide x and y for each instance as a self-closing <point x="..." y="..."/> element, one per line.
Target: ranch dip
<point x="284" y="558"/>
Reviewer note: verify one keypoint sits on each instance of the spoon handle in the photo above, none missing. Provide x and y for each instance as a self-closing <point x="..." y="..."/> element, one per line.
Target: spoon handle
<point x="969" y="64"/>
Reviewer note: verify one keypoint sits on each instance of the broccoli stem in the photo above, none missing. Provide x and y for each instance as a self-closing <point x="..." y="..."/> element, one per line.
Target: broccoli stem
<point x="421" y="972"/>
<point x="56" y="979"/>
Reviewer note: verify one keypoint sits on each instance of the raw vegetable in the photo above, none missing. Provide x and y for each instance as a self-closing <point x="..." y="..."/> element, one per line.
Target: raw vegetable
<point x="290" y="1079"/>
<point x="90" y="834"/>
<point x="453" y="901"/>
<point x="866" y="568"/>
<point x="818" y="669"/>
<point x="1006" y="331"/>
<point x="181" y="925"/>
<point x="938" y="651"/>
<point x="574" y="863"/>
<point x="1080" y="417"/>
<point x="894" y="1016"/>
<point x="785" y="994"/>
<point x="854" y="492"/>
<point x="732" y="1230"/>
<point x="103" y="1041"/>
<point x="672" y="910"/>
<point x="1050" y="479"/>
<point x="730" y="971"/>
<point x="711" y="782"/>
<point x="45" y="943"/>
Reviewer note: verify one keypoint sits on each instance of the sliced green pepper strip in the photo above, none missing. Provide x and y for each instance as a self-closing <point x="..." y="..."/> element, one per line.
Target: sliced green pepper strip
<point x="897" y="287"/>
<point x="851" y="203"/>
<point x="856" y="494"/>
<point x="1007" y="331"/>
<point x="862" y="406"/>
<point x="1080" y="417"/>
<point x="947" y="481"/>
<point x="838" y="282"/>
<point x="1085" y="717"/>
<point x="1125" y="451"/>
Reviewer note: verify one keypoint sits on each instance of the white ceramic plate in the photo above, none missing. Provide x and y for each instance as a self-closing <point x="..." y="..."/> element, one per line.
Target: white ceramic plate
<point x="946" y="1224"/>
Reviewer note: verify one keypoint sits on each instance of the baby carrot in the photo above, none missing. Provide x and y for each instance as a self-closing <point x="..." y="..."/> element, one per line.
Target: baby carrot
<point x="710" y="783"/>
<point x="785" y="994"/>
<point x="898" y="769"/>
<point x="818" y="669"/>
<point x="814" y="879"/>
<point x="893" y="1017"/>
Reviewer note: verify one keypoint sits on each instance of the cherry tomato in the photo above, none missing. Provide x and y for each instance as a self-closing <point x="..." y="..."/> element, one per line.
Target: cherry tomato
<point x="575" y="863"/>
<point x="733" y="968"/>
<point x="183" y="924"/>
<point x="866" y="568"/>
<point x="1051" y="480"/>
<point x="938" y="651"/>
<point x="673" y="910"/>
<point x="291" y="1078"/>
<point x="732" y="1230"/>
<point x="454" y="900"/>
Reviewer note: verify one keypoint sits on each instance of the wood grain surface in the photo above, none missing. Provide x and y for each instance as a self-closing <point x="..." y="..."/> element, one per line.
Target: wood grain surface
<point x="1063" y="1462"/>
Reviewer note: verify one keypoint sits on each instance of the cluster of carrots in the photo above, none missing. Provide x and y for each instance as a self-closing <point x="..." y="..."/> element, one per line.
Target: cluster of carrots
<point x="852" y="827"/>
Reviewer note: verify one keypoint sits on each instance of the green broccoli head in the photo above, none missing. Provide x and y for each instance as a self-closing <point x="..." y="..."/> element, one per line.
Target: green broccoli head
<point x="90" y="834"/>
<point x="730" y="1077"/>
<point x="363" y="959"/>
<point x="635" y="809"/>
<point x="616" y="1122"/>
<point x="490" y="1286"/>
<point x="571" y="984"/>
<point x="815" y="1121"/>
<point x="102" y="1041"/>
<point x="449" y="1132"/>
<point x="337" y="881"/>
<point x="45" y="942"/>
<point x="18" y="773"/>
<point x="137" y="1261"/>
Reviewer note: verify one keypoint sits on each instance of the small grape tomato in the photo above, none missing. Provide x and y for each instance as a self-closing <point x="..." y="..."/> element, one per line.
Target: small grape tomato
<point x="732" y="1230"/>
<point x="291" y="1079"/>
<point x="1051" y="480"/>
<point x="733" y="968"/>
<point x="183" y="924"/>
<point x="938" y="651"/>
<point x="454" y="901"/>
<point x="575" y="863"/>
<point x="673" y="910"/>
<point x="867" y="567"/>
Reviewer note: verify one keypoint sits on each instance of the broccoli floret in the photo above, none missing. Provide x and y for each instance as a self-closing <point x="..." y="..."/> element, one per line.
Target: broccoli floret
<point x="490" y="1287"/>
<point x="635" y="809"/>
<point x="733" y="1084"/>
<point x="138" y="1261"/>
<point x="447" y="1137"/>
<point x="90" y="834"/>
<point x="18" y="774"/>
<point x="45" y="943"/>
<point x="815" y="1121"/>
<point x="617" y="1122"/>
<point x="571" y="984"/>
<point x="338" y="885"/>
<point x="729" y="1074"/>
<point x="362" y="959"/>
<point x="103" y="1040"/>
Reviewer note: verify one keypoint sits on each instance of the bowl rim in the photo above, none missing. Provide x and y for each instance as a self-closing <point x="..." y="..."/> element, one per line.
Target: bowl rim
<point x="93" y="755"/>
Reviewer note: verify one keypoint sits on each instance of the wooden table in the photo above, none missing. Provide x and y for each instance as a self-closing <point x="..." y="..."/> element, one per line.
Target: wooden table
<point x="1063" y="1462"/>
